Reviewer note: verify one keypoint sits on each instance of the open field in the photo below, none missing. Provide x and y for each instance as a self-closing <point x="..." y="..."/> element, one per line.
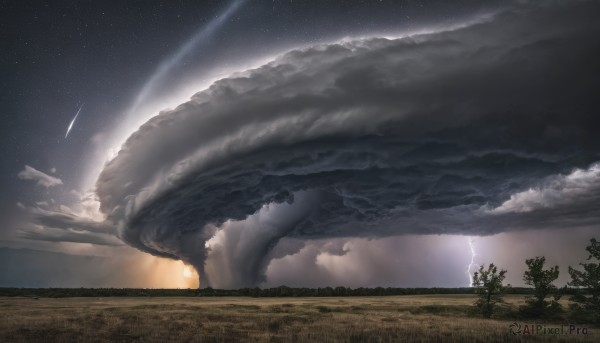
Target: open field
<point x="425" y="318"/>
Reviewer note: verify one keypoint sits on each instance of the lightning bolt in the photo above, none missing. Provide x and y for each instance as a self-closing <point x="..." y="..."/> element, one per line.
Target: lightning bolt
<point x="472" y="263"/>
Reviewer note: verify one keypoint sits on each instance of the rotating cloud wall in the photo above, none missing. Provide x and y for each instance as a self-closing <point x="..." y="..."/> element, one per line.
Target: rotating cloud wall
<point x="484" y="129"/>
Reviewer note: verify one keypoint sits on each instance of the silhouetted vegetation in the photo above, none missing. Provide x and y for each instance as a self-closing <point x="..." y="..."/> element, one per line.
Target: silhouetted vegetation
<point x="281" y="291"/>
<point x="489" y="288"/>
<point x="542" y="281"/>
<point x="588" y="305"/>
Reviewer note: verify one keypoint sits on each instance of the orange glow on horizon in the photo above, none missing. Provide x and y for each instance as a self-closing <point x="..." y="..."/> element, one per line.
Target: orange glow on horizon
<point x="187" y="272"/>
<point x="158" y="272"/>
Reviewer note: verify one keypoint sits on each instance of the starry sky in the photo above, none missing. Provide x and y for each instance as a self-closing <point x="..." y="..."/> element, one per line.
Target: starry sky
<point x="259" y="143"/>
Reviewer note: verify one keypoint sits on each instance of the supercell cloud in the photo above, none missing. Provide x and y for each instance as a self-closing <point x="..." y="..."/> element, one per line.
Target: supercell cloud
<point x="475" y="131"/>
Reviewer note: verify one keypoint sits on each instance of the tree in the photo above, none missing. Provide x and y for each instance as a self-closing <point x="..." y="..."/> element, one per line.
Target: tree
<point x="541" y="280"/>
<point x="489" y="288"/>
<point x="340" y="291"/>
<point x="589" y="279"/>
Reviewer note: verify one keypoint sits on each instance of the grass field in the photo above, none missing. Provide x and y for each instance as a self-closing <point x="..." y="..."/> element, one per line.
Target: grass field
<point x="431" y="318"/>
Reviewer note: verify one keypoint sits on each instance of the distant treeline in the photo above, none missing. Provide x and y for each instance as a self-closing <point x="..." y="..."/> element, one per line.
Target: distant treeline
<point x="281" y="291"/>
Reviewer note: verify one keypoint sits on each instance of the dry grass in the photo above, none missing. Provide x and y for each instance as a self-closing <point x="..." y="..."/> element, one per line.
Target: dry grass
<point x="441" y="318"/>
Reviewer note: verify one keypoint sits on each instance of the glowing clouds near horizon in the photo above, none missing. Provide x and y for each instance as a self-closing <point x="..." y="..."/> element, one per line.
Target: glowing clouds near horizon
<point x="165" y="273"/>
<point x="187" y="272"/>
<point x="367" y="138"/>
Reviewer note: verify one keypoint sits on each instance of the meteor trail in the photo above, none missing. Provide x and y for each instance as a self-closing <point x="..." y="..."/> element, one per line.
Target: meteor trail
<point x="73" y="121"/>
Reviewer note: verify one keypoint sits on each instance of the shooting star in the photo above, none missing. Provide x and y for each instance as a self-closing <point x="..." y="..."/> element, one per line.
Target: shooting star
<point x="73" y="121"/>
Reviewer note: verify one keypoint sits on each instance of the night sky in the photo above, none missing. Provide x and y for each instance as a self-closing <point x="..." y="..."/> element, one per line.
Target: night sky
<point x="260" y="143"/>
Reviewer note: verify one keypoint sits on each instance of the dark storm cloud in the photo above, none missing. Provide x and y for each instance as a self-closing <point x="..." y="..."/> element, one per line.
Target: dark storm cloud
<point x="426" y="134"/>
<point x="558" y="201"/>
<point x="576" y="189"/>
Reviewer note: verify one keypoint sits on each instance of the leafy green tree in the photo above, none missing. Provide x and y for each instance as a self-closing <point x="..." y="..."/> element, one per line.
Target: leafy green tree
<point x="589" y="280"/>
<point x="489" y="288"/>
<point x="542" y="281"/>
